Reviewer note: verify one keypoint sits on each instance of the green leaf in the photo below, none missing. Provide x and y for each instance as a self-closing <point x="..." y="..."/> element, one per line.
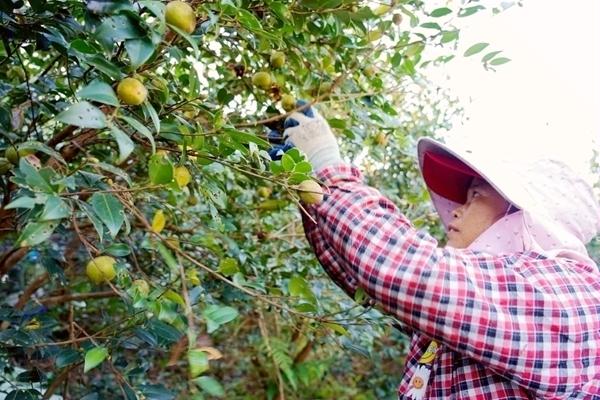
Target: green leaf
<point x="248" y="20"/>
<point x="66" y="357"/>
<point x="216" y="316"/>
<point x="476" y="48"/>
<point x="36" y="232"/>
<point x="300" y="288"/>
<point x="431" y="25"/>
<point x="160" y="169"/>
<point x="320" y="4"/>
<point x="94" y="357"/>
<point x="188" y="38"/>
<point x="105" y="66"/>
<point x="22" y="202"/>
<point x="41" y="147"/>
<point x="210" y="385"/>
<point x="109" y="210"/>
<point x="465" y="12"/>
<point x="33" y="177"/>
<point x="55" y="208"/>
<point x="84" y="115"/>
<point x="118" y="250"/>
<point x="198" y="362"/>
<point x="140" y="128"/>
<point x="151" y="112"/>
<point x="303" y="167"/>
<point x="124" y="142"/>
<point x="99" y="91"/>
<point x="139" y="51"/>
<point x="490" y="55"/>
<point x="336" y="328"/>
<point x="156" y="392"/>
<point x="440" y="12"/>
<point x="89" y="212"/>
<point x="449" y="36"/>
<point x="287" y="163"/>
<point x="167" y="256"/>
<point x="229" y="266"/>
<point x="23" y="394"/>
<point x="164" y="331"/>
<point x="499" y="61"/>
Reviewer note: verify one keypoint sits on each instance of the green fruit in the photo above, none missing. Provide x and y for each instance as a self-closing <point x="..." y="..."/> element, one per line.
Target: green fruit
<point x="5" y="165"/>
<point x="310" y="192"/>
<point x="288" y="102"/>
<point x="12" y="154"/>
<point x="131" y="91"/>
<point x="264" y="191"/>
<point x="101" y="269"/>
<point x="262" y="80"/>
<point x="181" y="15"/>
<point x="277" y="59"/>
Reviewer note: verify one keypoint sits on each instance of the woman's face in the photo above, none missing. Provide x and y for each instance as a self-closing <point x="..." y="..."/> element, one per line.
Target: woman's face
<point x="483" y="208"/>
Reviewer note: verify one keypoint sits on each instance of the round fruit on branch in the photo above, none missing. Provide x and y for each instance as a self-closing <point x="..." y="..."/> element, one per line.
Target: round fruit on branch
<point x="310" y="192"/>
<point x="181" y="15"/>
<point x="101" y="269"/>
<point x="132" y="92"/>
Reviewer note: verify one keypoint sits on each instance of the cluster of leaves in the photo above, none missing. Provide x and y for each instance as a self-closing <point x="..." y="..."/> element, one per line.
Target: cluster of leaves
<point x="216" y="290"/>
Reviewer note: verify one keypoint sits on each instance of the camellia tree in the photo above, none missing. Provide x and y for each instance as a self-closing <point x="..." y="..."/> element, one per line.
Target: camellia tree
<point x="150" y="248"/>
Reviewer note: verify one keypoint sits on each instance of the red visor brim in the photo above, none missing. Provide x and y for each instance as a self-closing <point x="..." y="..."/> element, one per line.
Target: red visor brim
<point x="447" y="176"/>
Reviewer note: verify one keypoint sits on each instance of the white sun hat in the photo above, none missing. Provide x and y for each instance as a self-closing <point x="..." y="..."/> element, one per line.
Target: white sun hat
<point x="558" y="212"/>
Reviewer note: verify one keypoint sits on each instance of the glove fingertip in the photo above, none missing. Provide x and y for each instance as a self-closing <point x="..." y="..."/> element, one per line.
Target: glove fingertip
<point x="308" y="111"/>
<point x="290" y="123"/>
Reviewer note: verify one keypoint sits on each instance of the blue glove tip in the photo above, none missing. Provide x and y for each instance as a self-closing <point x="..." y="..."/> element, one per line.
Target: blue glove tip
<point x="290" y="123"/>
<point x="274" y="135"/>
<point x="307" y="111"/>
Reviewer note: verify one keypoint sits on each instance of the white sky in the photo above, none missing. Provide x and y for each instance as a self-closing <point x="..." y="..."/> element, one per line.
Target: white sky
<point x="546" y="101"/>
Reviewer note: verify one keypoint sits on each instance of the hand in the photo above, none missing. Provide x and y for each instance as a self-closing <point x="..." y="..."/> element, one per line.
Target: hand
<point x="310" y="133"/>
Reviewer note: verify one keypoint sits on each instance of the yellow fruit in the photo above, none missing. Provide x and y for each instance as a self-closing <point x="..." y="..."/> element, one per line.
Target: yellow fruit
<point x="262" y="80"/>
<point x="310" y="192"/>
<point x="181" y="15"/>
<point x="101" y="269"/>
<point x="264" y="191"/>
<point x="277" y="59"/>
<point x="12" y="154"/>
<point x="182" y="176"/>
<point x="381" y="139"/>
<point x="158" y="221"/>
<point x="142" y="286"/>
<point x="288" y="102"/>
<point x="131" y="91"/>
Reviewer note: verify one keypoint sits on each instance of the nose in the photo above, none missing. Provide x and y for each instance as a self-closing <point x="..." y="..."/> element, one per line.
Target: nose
<point x="457" y="212"/>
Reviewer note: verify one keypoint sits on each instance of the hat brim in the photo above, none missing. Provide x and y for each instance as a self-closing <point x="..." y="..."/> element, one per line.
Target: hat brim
<point x="445" y="173"/>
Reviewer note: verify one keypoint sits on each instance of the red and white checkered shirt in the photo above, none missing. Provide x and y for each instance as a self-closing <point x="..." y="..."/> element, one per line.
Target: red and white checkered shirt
<point x="512" y="326"/>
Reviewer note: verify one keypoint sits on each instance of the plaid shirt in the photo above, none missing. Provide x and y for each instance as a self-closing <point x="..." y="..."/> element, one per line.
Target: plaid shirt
<point x="512" y="326"/>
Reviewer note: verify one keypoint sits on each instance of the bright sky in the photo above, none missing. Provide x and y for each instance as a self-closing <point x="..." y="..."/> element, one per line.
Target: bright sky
<point x="547" y="99"/>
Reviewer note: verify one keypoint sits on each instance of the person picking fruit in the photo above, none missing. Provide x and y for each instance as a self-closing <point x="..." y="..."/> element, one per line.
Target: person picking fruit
<point x="508" y="308"/>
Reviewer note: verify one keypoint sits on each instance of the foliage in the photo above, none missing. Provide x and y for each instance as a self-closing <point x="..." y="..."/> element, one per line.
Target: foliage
<point x="216" y="292"/>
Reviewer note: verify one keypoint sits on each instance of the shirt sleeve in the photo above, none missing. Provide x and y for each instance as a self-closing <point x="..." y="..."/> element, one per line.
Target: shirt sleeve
<point x="332" y="263"/>
<point x="530" y="319"/>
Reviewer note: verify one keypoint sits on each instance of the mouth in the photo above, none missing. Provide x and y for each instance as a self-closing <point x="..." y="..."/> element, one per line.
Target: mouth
<point x="452" y="228"/>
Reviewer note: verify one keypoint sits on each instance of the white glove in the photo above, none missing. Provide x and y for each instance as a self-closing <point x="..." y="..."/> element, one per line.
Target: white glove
<point x="310" y="133"/>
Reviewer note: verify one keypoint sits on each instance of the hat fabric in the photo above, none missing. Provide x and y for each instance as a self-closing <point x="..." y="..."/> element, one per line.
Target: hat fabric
<point x="558" y="211"/>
